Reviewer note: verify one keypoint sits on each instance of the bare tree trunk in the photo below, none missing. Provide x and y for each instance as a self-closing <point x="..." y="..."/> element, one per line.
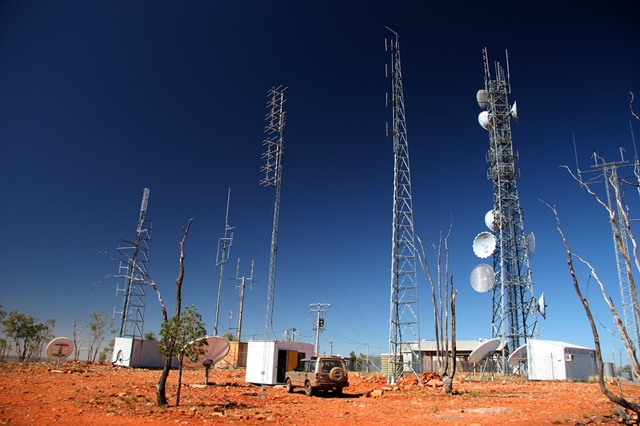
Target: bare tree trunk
<point x="161" y="393"/>
<point x="596" y="339"/>
<point x="179" y="384"/>
<point x="447" y="383"/>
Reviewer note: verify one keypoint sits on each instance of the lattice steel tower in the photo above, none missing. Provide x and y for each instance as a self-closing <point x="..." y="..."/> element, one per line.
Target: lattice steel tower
<point x="136" y="270"/>
<point x="404" y="285"/>
<point x="274" y="143"/>
<point x="514" y="314"/>
<point x="614" y="192"/>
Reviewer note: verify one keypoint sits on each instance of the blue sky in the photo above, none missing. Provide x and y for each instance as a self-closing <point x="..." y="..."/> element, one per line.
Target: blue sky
<point x="99" y="100"/>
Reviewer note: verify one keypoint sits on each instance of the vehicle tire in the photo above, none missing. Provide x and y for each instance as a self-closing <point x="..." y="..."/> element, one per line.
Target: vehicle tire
<point x="308" y="390"/>
<point x="288" y="386"/>
<point x="337" y="375"/>
<point x="337" y="392"/>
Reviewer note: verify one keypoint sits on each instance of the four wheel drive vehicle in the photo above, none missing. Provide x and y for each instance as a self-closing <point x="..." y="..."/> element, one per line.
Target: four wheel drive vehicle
<point x="318" y="373"/>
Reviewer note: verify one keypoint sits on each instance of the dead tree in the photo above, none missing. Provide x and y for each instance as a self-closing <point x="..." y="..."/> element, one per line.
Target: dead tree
<point x="443" y="298"/>
<point x="619" y="400"/>
<point x="161" y="394"/>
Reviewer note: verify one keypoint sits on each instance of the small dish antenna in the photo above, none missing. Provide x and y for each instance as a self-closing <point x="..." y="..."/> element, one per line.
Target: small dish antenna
<point x="485" y="120"/>
<point x="482" y="278"/>
<point x="490" y="220"/>
<point x="542" y="307"/>
<point x="214" y="349"/>
<point x="514" y="113"/>
<point x="486" y="348"/>
<point x="59" y="348"/>
<point x="531" y="245"/>
<point x="481" y="97"/>
<point x="519" y="355"/>
<point x="484" y="245"/>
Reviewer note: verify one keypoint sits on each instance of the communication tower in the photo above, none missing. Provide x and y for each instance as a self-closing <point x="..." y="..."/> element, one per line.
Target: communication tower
<point x="613" y="191"/>
<point x="243" y="285"/>
<point x="136" y="270"/>
<point x="224" y="246"/>
<point x="274" y="143"/>
<point x="404" y="285"/>
<point x="514" y="313"/>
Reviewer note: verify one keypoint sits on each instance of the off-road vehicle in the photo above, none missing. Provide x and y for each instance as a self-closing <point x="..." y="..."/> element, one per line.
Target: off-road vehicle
<point x="318" y="373"/>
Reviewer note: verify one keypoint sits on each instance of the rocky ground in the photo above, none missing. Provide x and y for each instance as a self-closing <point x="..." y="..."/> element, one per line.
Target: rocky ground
<point x="100" y="394"/>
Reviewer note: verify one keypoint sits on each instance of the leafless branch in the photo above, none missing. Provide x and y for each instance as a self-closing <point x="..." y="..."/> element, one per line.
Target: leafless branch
<point x="635" y="114"/>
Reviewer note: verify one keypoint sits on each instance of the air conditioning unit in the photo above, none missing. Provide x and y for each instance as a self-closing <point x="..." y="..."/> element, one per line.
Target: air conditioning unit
<point x="568" y="357"/>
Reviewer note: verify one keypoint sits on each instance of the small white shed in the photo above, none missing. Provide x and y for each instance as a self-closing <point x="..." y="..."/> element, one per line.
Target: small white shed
<point x="130" y="352"/>
<point x="269" y="360"/>
<point x="553" y="360"/>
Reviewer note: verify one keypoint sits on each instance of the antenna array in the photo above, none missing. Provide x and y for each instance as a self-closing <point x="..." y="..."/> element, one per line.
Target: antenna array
<point x="274" y="143"/>
<point x="404" y="286"/>
<point x="514" y="312"/>
<point x="224" y="247"/>
<point x="136" y="270"/>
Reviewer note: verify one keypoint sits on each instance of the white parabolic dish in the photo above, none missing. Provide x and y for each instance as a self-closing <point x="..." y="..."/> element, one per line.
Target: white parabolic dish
<point x="518" y="355"/>
<point x="216" y="349"/>
<point x="484" y="245"/>
<point x="59" y="348"/>
<point x="483" y="350"/>
<point x="482" y="278"/>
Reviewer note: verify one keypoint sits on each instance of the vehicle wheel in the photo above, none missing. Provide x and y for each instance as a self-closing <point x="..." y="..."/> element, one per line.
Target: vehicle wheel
<point x="337" y="375"/>
<point x="337" y="392"/>
<point x="308" y="390"/>
<point x="288" y="386"/>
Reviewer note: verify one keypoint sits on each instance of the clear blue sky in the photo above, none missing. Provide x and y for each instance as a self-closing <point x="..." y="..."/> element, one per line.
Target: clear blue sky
<point x="99" y="100"/>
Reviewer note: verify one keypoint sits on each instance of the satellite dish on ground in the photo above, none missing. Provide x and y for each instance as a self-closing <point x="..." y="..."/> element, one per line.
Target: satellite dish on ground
<point x="486" y="348"/>
<point x="531" y="245"/>
<point x="482" y="278"/>
<point x="542" y="307"/>
<point x="481" y="97"/>
<point x="519" y="355"/>
<point x="485" y="120"/>
<point x="214" y="350"/>
<point x="514" y="113"/>
<point x="59" y="348"/>
<point x="484" y="245"/>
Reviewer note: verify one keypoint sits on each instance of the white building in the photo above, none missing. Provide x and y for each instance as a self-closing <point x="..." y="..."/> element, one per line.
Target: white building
<point x="553" y="360"/>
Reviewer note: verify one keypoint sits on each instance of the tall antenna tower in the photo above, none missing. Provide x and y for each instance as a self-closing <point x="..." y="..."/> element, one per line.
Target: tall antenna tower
<point x="136" y="270"/>
<point x="514" y="313"/>
<point x="224" y="246"/>
<point x="614" y="192"/>
<point x="404" y="285"/>
<point x="274" y="143"/>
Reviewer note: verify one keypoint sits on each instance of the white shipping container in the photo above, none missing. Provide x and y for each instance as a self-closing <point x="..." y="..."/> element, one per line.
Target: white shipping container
<point x="553" y="360"/>
<point x="269" y="360"/>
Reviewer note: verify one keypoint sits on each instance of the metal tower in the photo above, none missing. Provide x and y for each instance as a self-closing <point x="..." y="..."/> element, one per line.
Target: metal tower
<point x="224" y="245"/>
<point x="274" y="143"/>
<point x="514" y="316"/>
<point x="136" y="269"/>
<point x="404" y="285"/>
<point x="620" y="225"/>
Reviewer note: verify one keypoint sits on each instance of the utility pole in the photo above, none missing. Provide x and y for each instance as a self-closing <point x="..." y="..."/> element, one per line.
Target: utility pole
<point x="320" y="308"/>
<point x="224" y="245"/>
<point x="243" y="285"/>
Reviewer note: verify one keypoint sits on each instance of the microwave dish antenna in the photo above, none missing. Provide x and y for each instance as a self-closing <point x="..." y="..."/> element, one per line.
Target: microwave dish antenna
<point x="518" y="356"/>
<point x="214" y="349"/>
<point x="490" y="221"/>
<point x="485" y="349"/>
<point x="531" y="245"/>
<point x="59" y="348"/>
<point x="514" y="112"/>
<point x="482" y="278"/>
<point x="484" y="245"/>
<point x="481" y="97"/>
<point x="485" y="120"/>
<point x="542" y="306"/>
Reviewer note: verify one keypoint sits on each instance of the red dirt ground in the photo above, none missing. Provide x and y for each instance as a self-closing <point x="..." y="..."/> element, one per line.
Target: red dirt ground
<point x="99" y="394"/>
